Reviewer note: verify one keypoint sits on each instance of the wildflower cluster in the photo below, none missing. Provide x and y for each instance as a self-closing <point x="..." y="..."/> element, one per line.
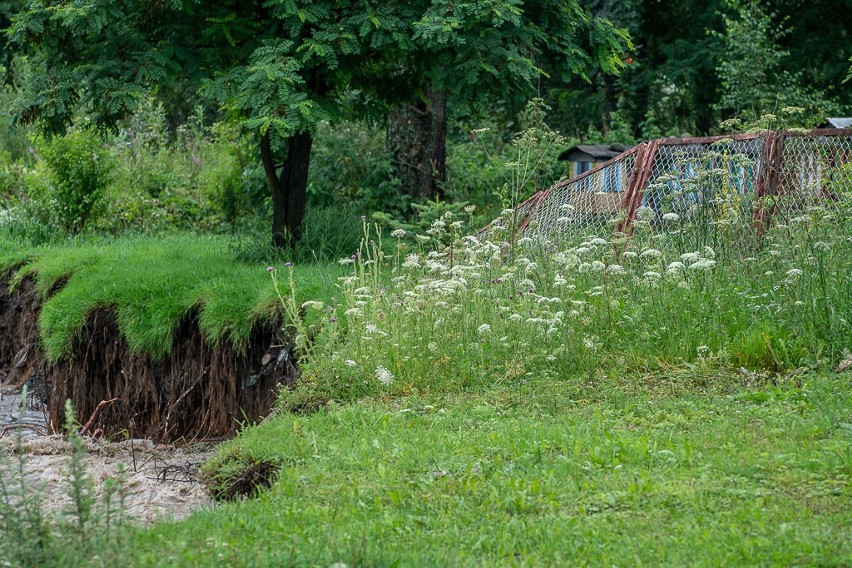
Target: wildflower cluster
<point x="473" y="312"/>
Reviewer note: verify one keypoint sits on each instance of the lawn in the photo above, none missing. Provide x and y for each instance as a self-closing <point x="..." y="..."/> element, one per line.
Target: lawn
<point x="692" y="465"/>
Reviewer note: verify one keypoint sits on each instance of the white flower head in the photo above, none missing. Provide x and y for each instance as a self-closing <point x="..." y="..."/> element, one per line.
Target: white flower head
<point x="702" y="264"/>
<point x="671" y="217"/>
<point x="650" y="253"/>
<point x="313" y="305"/>
<point x="690" y="257"/>
<point x="483" y="329"/>
<point x="675" y="267"/>
<point x="398" y="233"/>
<point x="350" y="363"/>
<point x="383" y="375"/>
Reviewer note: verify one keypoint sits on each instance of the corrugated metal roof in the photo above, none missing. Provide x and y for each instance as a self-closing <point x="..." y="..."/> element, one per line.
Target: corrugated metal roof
<point x="840" y="122"/>
<point x="592" y="152"/>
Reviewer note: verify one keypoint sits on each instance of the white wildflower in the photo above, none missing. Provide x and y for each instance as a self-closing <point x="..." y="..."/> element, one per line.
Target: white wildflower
<point x="794" y="272"/>
<point x="651" y="275"/>
<point x="371" y="328"/>
<point x="709" y="252"/>
<point x="483" y="329"/>
<point x="675" y="267"/>
<point x="615" y="269"/>
<point x="313" y="304"/>
<point x="597" y="241"/>
<point x="384" y="376"/>
<point x="650" y="253"/>
<point x="630" y="254"/>
<point x="702" y="264"/>
<point x="469" y="208"/>
<point x="598" y="265"/>
<point x="515" y="317"/>
<point x="398" y="233"/>
<point x="690" y="257"/>
<point x="350" y="363"/>
<point x="671" y="217"/>
<point x="353" y="312"/>
<point x="411" y="261"/>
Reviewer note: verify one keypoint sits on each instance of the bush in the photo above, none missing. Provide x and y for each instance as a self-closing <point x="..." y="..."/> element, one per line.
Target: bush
<point x="80" y="167"/>
<point x="350" y="162"/>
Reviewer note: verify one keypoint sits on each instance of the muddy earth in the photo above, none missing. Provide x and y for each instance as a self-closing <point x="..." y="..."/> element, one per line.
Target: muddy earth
<point x="161" y="480"/>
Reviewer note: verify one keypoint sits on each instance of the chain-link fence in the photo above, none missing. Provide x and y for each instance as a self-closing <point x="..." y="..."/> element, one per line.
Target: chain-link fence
<point x="703" y="189"/>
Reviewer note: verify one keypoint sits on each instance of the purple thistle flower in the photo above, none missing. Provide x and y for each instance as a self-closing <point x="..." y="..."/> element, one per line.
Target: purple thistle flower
<point x="288" y="264"/>
<point x="332" y="320"/>
<point x="270" y="269"/>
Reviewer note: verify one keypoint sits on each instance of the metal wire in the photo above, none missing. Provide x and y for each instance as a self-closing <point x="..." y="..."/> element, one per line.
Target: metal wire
<point x="702" y="190"/>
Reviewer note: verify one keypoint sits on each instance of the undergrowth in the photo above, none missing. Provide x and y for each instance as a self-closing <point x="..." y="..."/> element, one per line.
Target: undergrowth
<point x="91" y="527"/>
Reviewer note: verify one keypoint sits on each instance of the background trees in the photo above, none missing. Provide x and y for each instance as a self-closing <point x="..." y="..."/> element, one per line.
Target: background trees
<point x="283" y="66"/>
<point x="397" y="87"/>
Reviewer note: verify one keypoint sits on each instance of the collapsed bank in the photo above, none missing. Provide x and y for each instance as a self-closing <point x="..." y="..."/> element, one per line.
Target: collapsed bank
<point x="201" y="386"/>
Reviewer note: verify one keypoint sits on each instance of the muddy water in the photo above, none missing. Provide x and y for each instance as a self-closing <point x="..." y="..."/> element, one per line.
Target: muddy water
<point x="160" y="480"/>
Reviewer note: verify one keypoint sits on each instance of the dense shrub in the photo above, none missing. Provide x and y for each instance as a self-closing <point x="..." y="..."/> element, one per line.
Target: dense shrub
<point x="79" y="167"/>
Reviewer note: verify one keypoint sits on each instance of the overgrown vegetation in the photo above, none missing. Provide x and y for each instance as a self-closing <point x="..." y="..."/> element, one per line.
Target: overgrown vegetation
<point x="463" y="400"/>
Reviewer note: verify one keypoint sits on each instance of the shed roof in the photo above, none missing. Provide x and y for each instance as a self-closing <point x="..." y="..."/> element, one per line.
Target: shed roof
<point x="592" y="152"/>
<point x="840" y="122"/>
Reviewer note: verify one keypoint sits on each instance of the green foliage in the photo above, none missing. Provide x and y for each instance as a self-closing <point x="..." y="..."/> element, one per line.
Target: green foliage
<point x="752" y="70"/>
<point x="79" y="167"/>
<point x="350" y="163"/>
<point x="541" y="470"/>
<point x="328" y="234"/>
<point x="152" y="283"/>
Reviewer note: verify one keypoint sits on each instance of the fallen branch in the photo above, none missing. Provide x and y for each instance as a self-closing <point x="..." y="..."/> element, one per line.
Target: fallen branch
<point x="11" y="427"/>
<point x="101" y="405"/>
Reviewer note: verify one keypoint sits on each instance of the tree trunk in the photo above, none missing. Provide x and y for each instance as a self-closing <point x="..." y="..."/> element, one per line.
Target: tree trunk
<point x="288" y="188"/>
<point x="417" y="139"/>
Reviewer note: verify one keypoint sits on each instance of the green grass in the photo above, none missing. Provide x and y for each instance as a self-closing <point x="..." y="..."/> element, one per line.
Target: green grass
<point x="682" y="467"/>
<point x="151" y="283"/>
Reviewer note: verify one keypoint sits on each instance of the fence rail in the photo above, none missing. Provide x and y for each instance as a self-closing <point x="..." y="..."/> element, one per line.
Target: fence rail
<point x="749" y="180"/>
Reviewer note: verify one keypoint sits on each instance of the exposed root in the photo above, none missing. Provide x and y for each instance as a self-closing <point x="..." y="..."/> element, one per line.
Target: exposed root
<point x="198" y="391"/>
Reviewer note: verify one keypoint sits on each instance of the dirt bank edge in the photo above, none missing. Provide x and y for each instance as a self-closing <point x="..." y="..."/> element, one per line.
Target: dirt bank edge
<point x="198" y="391"/>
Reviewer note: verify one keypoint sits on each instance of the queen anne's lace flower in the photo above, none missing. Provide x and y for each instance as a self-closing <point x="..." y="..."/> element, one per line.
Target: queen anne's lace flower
<point x="384" y="376"/>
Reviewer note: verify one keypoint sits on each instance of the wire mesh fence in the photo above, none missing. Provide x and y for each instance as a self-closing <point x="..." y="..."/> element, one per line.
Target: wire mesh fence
<point x="700" y="190"/>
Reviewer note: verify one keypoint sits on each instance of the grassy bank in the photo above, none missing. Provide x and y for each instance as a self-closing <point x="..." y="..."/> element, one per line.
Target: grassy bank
<point x="151" y="283"/>
<point x="693" y="466"/>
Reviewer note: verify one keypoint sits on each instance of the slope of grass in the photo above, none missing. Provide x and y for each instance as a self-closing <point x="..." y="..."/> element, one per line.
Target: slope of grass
<point x="692" y="466"/>
<point x="151" y="283"/>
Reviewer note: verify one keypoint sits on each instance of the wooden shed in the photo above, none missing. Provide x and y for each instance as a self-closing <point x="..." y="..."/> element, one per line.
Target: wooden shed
<point x="584" y="157"/>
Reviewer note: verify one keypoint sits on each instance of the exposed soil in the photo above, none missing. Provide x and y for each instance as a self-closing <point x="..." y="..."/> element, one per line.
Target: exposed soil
<point x="198" y="391"/>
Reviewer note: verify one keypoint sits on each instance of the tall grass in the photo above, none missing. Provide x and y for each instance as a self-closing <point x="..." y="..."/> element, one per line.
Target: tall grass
<point x="471" y="314"/>
<point x="152" y="283"/>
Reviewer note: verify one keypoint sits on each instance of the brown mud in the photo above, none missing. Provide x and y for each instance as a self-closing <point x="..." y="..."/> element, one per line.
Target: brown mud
<point x="198" y="391"/>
